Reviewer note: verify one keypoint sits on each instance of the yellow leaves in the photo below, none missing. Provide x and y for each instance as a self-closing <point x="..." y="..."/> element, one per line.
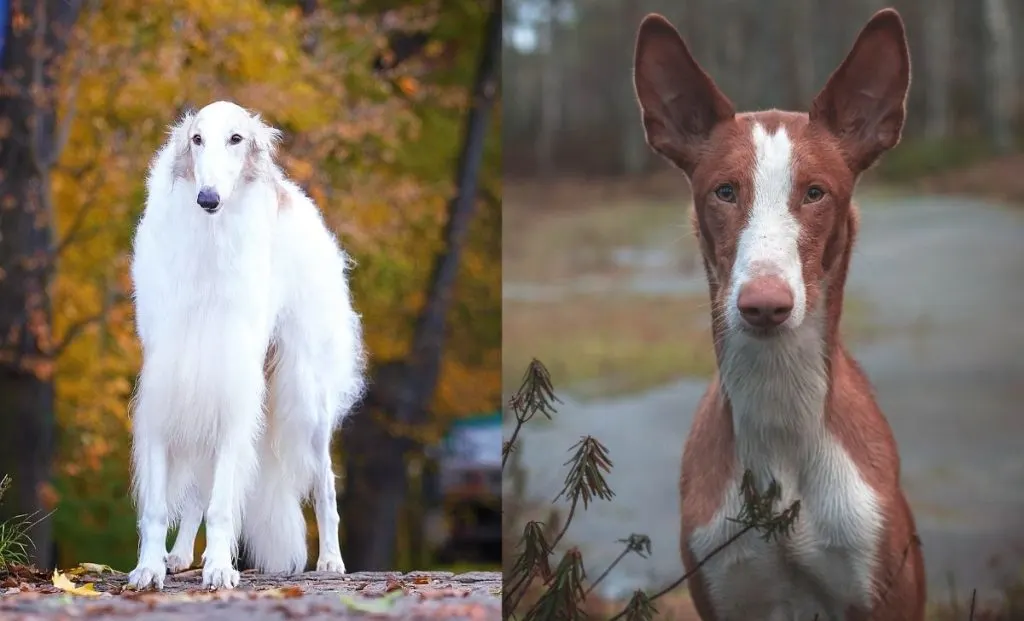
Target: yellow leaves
<point x="433" y="48"/>
<point x="408" y="85"/>
<point x="301" y="171"/>
<point x="62" y="582"/>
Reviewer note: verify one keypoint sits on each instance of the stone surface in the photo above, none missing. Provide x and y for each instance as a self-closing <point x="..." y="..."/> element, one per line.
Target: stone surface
<point x="423" y="595"/>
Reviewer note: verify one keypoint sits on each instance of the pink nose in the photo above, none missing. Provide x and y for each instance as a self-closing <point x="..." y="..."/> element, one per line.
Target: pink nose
<point x="765" y="302"/>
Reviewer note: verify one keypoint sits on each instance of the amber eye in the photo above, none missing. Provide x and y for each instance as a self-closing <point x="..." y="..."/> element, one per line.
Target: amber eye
<point x="726" y="193"/>
<point x="814" y="194"/>
<point x="197" y="140"/>
<point x="235" y="139"/>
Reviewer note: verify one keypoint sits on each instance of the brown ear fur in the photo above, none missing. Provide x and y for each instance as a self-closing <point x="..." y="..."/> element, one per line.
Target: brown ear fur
<point x="864" y="101"/>
<point x="679" y="102"/>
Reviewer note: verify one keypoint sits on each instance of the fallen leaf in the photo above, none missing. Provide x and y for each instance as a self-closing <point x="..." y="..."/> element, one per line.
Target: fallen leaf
<point x="65" y="584"/>
<point x="96" y="568"/>
<point x="394" y="584"/>
<point x="421" y="580"/>
<point x="287" y="592"/>
<point x="371" y="604"/>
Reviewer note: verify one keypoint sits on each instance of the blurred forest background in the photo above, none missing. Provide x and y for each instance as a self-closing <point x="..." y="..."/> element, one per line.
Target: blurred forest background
<point x="569" y="63"/>
<point x="602" y="281"/>
<point x="373" y="97"/>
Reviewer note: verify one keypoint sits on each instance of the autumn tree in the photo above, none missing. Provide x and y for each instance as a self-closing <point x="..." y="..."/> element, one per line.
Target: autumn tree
<point x="375" y="151"/>
<point x="390" y="425"/>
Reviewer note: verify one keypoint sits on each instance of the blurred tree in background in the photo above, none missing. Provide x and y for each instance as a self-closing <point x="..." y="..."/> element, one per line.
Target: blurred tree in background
<point x="569" y="64"/>
<point x="375" y="145"/>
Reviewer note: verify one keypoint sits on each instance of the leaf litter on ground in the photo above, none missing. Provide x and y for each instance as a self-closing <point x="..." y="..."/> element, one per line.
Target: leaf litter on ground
<point x="93" y="568"/>
<point x="374" y="605"/>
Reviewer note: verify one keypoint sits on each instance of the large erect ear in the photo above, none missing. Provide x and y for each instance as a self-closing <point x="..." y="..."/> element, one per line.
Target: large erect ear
<point x="864" y="101"/>
<point x="679" y="101"/>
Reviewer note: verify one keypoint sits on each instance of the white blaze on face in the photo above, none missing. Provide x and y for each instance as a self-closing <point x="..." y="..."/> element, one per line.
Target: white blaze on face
<point x="768" y="242"/>
<point x="218" y="163"/>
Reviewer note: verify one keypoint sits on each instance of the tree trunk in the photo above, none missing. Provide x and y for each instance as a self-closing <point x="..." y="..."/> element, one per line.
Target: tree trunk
<point x="550" y="95"/>
<point x="938" y="36"/>
<point x="801" y="49"/>
<point x="633" y="144"/>
<point x="401" y="392"/>
<point x="1001" y="77"/>
<point x="35" y="40"/>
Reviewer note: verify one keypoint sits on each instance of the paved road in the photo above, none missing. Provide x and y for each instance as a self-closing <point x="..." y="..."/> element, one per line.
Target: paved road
<point x="946" y="276"/>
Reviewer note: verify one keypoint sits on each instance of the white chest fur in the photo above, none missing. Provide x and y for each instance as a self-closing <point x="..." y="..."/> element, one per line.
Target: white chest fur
<point x="777" y="391"/>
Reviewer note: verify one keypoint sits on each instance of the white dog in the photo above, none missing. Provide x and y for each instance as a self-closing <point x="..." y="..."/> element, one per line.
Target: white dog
<point x="252" y="354"/>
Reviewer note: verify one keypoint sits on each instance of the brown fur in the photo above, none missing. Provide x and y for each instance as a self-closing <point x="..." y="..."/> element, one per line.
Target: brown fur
<point x="857" y="116"/>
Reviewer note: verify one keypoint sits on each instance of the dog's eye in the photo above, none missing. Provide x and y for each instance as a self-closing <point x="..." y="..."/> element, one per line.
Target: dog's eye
<point x="814" y="194"/>
<point x="197" y="140"/>
<point x="235" y="139"/>
<point x="726" y="193"/>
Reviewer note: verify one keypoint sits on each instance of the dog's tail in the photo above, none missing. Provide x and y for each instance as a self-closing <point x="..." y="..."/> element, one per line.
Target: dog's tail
<point x="274" y="529"/>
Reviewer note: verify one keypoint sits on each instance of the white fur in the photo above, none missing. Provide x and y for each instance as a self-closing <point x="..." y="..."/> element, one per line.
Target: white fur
<point x="777" y="388"/>
<point x="211" y="434"/>
<point x="768" y="242"/>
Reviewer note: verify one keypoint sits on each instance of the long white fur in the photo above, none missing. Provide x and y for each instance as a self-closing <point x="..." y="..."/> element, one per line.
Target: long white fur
<point x="777" y="389"/>
<point x="212" y="436"/>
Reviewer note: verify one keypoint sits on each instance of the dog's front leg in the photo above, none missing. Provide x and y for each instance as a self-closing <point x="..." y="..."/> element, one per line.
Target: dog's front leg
<point x="150" y="457"/>
<point x="233" y="469"/>
<point x="222" y="517"/>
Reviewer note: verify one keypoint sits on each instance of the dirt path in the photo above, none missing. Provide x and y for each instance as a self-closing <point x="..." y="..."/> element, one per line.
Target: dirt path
<point x="424" y="596"/>
<point x="945" y="278"/>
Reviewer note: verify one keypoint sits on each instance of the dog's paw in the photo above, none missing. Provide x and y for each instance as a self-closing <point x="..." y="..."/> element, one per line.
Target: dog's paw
<point x="177" y="562"/>
<point x="220" y="577"/>
<point x="332" y="563"/>
<point x="147" y="575"/>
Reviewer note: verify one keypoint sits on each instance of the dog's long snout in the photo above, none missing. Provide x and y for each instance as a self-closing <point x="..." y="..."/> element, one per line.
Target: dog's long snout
<point x="208" y="199"/>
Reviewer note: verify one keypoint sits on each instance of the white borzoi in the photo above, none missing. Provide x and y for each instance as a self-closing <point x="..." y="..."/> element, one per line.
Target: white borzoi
<point x="252" y="354"/>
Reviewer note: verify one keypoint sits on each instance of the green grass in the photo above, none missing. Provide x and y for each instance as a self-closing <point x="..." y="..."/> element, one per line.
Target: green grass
<point x="14" y="539"/>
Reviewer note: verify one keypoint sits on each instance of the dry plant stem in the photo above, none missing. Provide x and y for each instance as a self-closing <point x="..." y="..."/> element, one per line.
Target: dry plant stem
<point x="511" y="445"/>
<point x="728" y="542"/>
<point x="518" y="590"/>
<point x="608" y="570"/>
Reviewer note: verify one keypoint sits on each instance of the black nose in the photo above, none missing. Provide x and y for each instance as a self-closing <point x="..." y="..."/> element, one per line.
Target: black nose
<point x="208" y="199"/>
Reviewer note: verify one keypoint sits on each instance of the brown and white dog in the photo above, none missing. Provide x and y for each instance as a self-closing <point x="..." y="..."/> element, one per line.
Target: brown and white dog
<point x="775" y="223"/>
